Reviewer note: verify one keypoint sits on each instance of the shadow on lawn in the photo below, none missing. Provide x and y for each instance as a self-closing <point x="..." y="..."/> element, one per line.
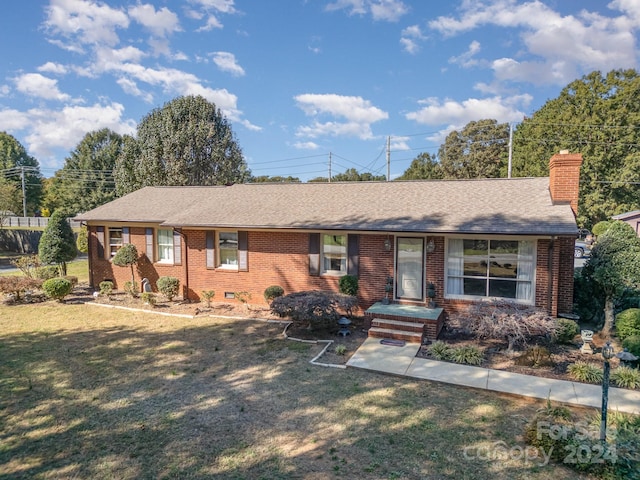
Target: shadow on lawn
<point x="232" y="399"/>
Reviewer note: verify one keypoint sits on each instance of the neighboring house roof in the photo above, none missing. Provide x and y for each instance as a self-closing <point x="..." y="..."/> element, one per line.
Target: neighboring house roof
<point x="627" y="215"/>
<point x="496" y="206"/>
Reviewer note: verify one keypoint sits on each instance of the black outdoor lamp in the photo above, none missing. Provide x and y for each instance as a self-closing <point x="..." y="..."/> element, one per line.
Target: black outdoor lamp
<point x="607" y="354"/>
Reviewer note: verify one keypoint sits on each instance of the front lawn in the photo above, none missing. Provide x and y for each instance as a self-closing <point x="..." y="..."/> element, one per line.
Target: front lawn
<point x="91" y="392"/>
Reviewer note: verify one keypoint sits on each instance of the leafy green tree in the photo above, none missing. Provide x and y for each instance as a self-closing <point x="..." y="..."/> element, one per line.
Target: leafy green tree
<point x="598" y="116"/>
<point x="10" y="199"/>
<point x="186" y="142"/>
<point x="57" y="244"/>
<point x="14" y="161"/>
<point x="352" y="175"/>
<point x="127" y="256"/>
<point x="480" y="150"/>
<point x="614" y="267"/>
<point x="82" y="242"/>
<point x="275" y="179"/>
<point x="86" y="179"/>
<point x="423" y="167"/>
<point x="318" y="180"/>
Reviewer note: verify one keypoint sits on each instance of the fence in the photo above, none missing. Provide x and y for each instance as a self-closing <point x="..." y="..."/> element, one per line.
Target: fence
<point x="32" y="222"/>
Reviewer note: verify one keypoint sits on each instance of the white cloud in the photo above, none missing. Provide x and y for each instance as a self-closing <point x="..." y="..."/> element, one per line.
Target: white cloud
<point x="399" y="143"/>
<point x="306" y="145"/>
<point x="227" y="63"/>
<point x="85" y="21"/>
<point x="4" y="90"/>
<point x="130" y="87"/>
<point x="358" y="113"/>
<point x="466" y="59"/>
<point x="12" y="120"/>
<point x="160" y="22"/>
<point x="386" y="10"/>
<point x="409" y="38"/>
<point x="51" y="67"/>
<point x="36" y="85"/>
<point x="562" y="46"/>
<point x="211" y="9"/>
<point x="457" y="114"/>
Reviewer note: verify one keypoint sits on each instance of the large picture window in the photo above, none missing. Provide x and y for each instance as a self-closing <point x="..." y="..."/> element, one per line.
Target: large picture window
<point x="165" y="246"/>
<point x="490" y="268"/>
<point x="334" y="254"/>
<point x="115" y="240"/>
<point x="228" y="249"/>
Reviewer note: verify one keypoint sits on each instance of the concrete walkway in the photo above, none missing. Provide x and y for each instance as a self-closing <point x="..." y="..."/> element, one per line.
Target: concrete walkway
<point x="402" y="360"/>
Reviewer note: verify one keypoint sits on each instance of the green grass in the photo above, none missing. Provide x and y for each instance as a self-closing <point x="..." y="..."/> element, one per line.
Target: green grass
<point x="91" y="392"/>
<point x="76" y="268"/>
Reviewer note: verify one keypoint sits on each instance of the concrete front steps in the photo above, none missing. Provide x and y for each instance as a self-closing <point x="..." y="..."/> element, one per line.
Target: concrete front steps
<point x="411" y="323"/>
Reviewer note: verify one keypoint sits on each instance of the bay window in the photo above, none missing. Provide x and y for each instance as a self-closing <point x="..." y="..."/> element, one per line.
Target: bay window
<point x="493" y="268"/>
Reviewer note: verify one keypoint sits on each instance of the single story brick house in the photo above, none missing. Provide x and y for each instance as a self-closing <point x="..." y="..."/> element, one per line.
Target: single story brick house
<point x="471" y="239"/>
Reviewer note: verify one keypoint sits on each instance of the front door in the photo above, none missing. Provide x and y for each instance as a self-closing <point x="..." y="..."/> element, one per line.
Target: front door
<point x="410" y="268"/>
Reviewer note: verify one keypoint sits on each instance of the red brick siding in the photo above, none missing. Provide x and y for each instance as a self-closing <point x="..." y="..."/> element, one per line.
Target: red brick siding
<point x="564" y="179"/>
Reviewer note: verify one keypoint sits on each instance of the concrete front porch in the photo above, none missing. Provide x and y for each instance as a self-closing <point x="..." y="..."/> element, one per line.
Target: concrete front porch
<point x="398" y="321"/>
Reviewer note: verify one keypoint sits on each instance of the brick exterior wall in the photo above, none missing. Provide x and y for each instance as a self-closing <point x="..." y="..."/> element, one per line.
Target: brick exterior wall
<point x="281" y="258"/>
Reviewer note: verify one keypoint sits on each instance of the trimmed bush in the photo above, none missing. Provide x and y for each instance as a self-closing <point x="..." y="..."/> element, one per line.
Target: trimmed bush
<point x="632" y="344"/>
<point x="46" y="272"/>
<point x="628" y="323"/>
<point x="316" y="308"/>
<point x="349" y="285"/>
<point x="626" y="377"/>
<point x="57" y="288"/>
<point x="168" y="286"/>
<point x="106" y="287"/>
<point x="585" y="372"/>
<point x="149" y="298"/>
<point x="131" y="288"/>
<point x="601" y="227"/>
<point x="274" y="291"/>
<point x="566" y="330"/>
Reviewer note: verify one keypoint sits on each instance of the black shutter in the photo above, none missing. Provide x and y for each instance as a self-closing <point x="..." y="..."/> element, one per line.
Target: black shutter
<point x="100" y="237"/>
<point x="210" y="249"/>
<point x="242" y="251"/>
<point x="353" y="254"/>
<point x="149" y="243"/>
<point x="314" y="254"/>
<point x="177" y="248"/>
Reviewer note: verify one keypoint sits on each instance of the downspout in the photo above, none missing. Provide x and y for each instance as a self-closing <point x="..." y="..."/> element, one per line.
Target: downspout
<point x="89" y="262"/>
<point x="550" y="275"/>
<point x="185" y="287"/>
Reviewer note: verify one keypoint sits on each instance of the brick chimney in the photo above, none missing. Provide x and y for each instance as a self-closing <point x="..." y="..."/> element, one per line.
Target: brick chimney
<point x="564" y="178"/>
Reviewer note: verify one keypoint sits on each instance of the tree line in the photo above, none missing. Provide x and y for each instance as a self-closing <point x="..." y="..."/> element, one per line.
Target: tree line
<point x="188" y="141"/>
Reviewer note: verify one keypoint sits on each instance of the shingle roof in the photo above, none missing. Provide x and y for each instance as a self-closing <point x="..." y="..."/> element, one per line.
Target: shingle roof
<point x="498" y="206"/>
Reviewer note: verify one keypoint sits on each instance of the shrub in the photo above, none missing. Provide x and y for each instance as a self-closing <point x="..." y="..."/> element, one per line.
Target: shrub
<point x="16" y="286"/>
<point x="566" y="330"/>
<point x="341" y="349"/>
<point x="349" y="285"/>
<point x="626" y="377"/>
<point x="632" y="344"/>
<point x="82" y="241"/>
<point x="72" y="279"/>
<point x="27" y="264"/>
<point x="208" y="295"/>
<point x="242" y="297"/>
<point x="106" y="287"/>
<point x="440" y="350"/>
<point x="316" y="308"/>
<point x="149" y="298"/>
<point x="467" y="354"/>
<point x="272" y="292"/>
<point x="131" y="288"/>
<point x="127" y="255"/>
<point x="535" y="356"/>
<point x="47" y="271"/>
<point x="168" y="286"/>
<point x="628" y="323"/>
<point x="57" y="288"/>
<point x="601" y="227"/>
<point x="585" y="372"/>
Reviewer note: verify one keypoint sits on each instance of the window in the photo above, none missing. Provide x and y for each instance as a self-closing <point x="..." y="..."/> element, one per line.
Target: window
<point x="115" y="240"/>
<point x="490" y="268"/>
<point x="334" y="254"/>
<point x="228" y="249"/>
<point x="165" y="246"/>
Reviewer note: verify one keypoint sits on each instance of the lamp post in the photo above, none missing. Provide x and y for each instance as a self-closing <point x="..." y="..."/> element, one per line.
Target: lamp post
<point x="607" y="353"/>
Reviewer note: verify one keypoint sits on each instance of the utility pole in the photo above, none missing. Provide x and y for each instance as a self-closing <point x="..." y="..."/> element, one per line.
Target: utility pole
<point x="329" y="167"/>
<point x="510" y="149"/>
<point x="24" y="194"/>
<point x="389" y="158"/>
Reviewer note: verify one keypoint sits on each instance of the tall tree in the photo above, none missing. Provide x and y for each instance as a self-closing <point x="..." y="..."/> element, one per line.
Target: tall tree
<point x="274" y="179"/>
<point x="479" y="150"/>
<point x="352" y="175"/>
<point x="14" y="163"/>
<point x="598" y="116"/>
<point x="613" y="267"/>
<point x="10" y="200"/>
<point x="423" y="167"/>
<point x="57" y="244"/>
<point x="186" y="142"/>
<point x="86" y="179"/>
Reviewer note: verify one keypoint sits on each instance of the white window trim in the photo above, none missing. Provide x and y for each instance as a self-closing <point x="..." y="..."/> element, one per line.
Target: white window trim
<point x="334" y="273"/>
<point x="225" y="266"/>
<point x="108" y="242"/>
<point x="158" y="247"/>
<point x="475" y="298"/>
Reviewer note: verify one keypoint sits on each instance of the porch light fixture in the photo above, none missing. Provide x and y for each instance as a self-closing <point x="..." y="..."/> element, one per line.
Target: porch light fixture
<point x="607" y="354"/>
<point x="431" y="246"/>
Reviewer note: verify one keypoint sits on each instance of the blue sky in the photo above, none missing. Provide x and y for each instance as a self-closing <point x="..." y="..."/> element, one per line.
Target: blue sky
<point x="301" y="81"/>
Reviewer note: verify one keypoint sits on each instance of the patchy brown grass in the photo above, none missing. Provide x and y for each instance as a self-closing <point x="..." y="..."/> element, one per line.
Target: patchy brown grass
<point x="91" y="392"/>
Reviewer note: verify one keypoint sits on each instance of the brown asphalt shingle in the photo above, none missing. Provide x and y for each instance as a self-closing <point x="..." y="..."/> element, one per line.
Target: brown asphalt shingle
<point x="497" y="206"/>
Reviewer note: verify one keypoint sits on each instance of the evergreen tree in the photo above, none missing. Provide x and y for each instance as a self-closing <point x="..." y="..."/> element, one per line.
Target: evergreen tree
<point x="57" y="244"/>
<point x="14" y="162"/>
<point x="186" y="142"/>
